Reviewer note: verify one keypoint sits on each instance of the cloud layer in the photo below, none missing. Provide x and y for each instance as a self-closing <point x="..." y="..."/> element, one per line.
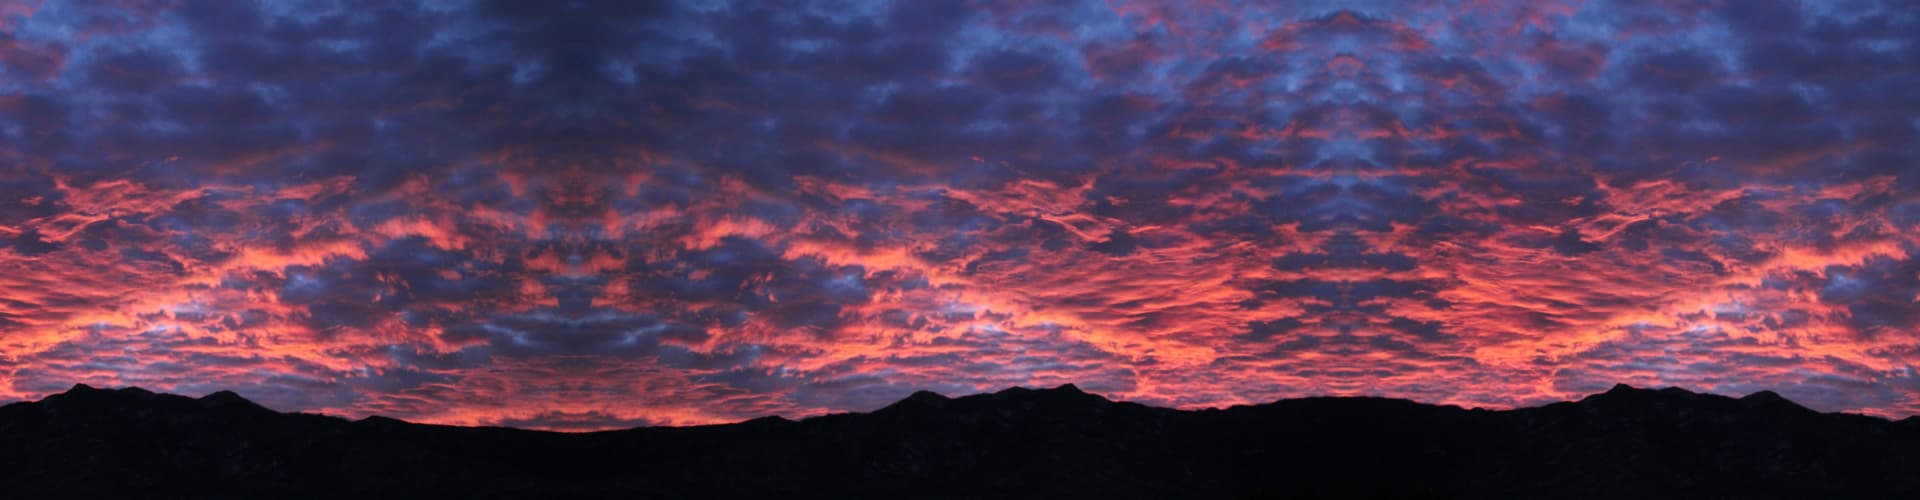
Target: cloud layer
<point x="623" y="213"/>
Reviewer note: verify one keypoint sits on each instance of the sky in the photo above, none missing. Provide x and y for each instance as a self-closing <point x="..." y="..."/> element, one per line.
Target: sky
<point x="593" y="215"/>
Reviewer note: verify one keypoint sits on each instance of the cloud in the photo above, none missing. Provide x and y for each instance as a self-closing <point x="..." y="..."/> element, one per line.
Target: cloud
<point x="615" y="213"/>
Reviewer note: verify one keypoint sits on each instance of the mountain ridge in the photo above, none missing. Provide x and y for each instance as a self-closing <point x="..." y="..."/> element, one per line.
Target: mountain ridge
<point x="925" y="397"/>
<point x="1017" y="442"/>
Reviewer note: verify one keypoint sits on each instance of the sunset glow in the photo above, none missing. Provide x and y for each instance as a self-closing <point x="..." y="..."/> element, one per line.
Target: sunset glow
<point x="644" y="213"/>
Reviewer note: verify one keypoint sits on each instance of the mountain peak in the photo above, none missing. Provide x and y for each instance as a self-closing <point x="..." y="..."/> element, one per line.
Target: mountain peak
<point x="1628" y="390"/>
<point x="1617" y="392"/>
<point x="919" y="400"/>
<point x="1627" y="396"/>
<point x="925" y="395"/>
<point x="380" y="420"/>
<point x="88" y="391"/>
<point x="1770" y="399"/>
<point x="229" y="399"/>
<point x="1062" y="389"/>
<point x="1064" y="394"/>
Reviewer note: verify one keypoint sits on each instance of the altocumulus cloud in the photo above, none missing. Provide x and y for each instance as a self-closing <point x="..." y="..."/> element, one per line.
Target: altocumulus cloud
<point x="604" y="214"/>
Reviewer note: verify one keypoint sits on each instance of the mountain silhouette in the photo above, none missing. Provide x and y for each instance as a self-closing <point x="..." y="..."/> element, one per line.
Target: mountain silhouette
<point x="1017" y="443"/>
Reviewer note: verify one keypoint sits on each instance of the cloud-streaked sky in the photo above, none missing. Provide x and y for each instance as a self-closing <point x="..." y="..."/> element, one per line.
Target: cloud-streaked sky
<point x="606" y="214"/>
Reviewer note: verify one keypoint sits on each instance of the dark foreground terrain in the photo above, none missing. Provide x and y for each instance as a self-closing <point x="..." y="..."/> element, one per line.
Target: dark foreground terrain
<point x="1051" y="443"/>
